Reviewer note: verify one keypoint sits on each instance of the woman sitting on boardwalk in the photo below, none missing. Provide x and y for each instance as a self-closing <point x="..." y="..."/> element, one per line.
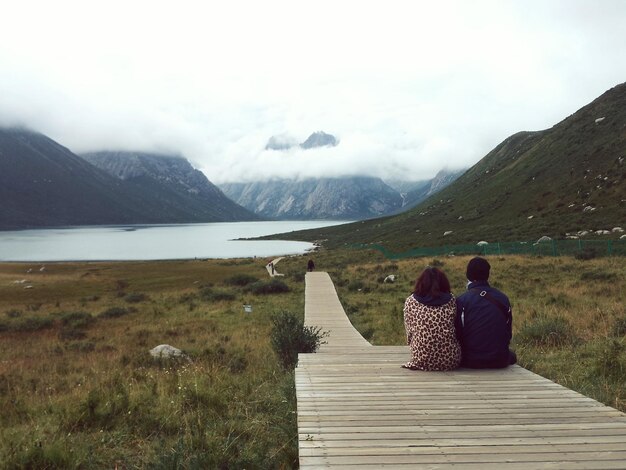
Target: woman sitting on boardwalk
<point x="429" y="321"/>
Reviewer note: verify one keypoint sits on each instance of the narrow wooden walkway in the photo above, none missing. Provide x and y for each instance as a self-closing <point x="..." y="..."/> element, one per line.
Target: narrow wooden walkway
<point x="357" y="408"/>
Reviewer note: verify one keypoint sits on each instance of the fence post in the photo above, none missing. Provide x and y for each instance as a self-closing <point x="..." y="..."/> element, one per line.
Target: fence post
<point x="553" y="247"/>
<point x="610" y="247"/>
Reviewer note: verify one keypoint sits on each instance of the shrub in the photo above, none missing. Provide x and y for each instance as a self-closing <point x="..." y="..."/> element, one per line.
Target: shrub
<point x="41" y="455"/>
<point x="547" y="331"/>
<point x="135" y="298"/>
<point x="114" y="312"/>
<point x="103" y="408"/>
<point x="355" y="285"/>
<point x="215" y="295"/>
<point x="32" y="324"/>
<point x="241" y="280"/>
<point x="81" y="346"/>
<point x="274" y="286"/>
<point x="619" y="327"/>
<point x="367" y="332"/>
<point x="598" y="276"/>
<point x="13" y="313"/>
<point x="608" y="362"/>
<point x="234" y="359"/>
<point x="69" y="333"/>
<point x="586" y="254"/>
<point x="437" y="263"/>
<point x="290" y="336"/>
<point x="76" y="319"/>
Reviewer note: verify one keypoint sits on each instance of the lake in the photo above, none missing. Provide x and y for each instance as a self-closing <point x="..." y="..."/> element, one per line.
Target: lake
<point x="151" y="242"/>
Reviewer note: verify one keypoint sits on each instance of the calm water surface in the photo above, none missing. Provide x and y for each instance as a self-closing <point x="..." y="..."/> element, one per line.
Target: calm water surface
<point x="149" y="242"/>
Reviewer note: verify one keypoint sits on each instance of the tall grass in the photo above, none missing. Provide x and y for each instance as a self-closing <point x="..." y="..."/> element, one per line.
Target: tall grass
<point x="78" y="388"/>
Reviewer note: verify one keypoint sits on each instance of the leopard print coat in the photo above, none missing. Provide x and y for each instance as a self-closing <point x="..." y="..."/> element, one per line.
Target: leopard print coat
<point x="431" y="335"/>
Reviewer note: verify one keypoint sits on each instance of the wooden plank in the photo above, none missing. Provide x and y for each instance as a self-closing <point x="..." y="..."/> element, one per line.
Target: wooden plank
<point x="357" y="408"/>
<point x="486" y="433"/>
<point x="434" y="428"/>
<point x="462" y="459"/>
<point x="492" y="443"/>
<point x="479" y="449"/>
<point x="554" y="464"/>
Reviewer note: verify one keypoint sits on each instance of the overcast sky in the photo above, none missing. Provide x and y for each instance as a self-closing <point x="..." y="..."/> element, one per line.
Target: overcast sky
<point x="409" y="87"/>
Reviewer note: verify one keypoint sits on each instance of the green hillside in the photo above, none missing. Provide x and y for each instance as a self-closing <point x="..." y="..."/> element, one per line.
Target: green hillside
<point x="566" y="179"/>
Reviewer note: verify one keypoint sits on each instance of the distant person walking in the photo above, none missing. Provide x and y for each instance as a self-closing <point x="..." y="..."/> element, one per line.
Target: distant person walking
<point x="484" y="321"/>
<point x="429" y="315"/>
<point x="310" y="266"/>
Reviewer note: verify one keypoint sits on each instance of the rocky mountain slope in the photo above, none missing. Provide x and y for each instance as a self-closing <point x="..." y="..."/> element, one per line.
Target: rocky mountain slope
<point x="317" y="139"/>
<point x="321" y="198"/>
<point x="568" y="179"/>
<point x="172" y="183"/>
<point x="413" y="194"/>
<point x="328" y="198"/>
<point x="44" y="184"/>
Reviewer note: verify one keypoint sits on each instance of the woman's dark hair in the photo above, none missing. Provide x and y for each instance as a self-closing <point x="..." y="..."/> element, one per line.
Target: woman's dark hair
<point x="432" y="282"/>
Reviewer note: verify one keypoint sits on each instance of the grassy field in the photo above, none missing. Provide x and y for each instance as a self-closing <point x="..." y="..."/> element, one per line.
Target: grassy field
<point x="78" y="388"/>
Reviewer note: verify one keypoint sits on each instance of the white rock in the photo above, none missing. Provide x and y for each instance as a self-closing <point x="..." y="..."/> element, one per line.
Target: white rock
<point x="391" y="278"/>
<point x="530" y="217"/>
<point x="582" y="233"/>
<point x="571" y="237"/>
<point x="589" y="209"/>
<point x="623" y="237"/>
<point x="166" y="351"/>
<point x="449" y="232"/>
<point x="617" y="230"/>
<point x="544" y="239"/>
<point x="482" y="243"/>
<point x="600" y="119"/>
<point x="602" y="232"/>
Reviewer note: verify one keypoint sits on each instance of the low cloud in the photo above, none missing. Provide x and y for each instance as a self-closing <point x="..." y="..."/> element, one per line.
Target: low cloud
<point x="409" y="88"/>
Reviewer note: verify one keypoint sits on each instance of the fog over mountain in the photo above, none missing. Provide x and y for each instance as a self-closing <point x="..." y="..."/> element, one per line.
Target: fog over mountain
<point x="407" y="89"/>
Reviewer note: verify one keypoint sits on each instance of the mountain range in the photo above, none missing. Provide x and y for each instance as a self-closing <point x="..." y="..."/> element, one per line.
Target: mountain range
<point x="316" y="198"/>
<point x="44" y="184"/>
<point x="340" y="198"/>
<point x="180" y="191"/>
<point x="566" y="181"/>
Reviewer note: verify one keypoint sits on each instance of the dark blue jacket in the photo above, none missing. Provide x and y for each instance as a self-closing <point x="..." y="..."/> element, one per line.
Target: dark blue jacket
<point x="483" y="328"/>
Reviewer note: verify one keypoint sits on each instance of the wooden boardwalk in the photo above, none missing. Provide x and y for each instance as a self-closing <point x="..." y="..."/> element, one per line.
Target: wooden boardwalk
<point x="357" y="408"/>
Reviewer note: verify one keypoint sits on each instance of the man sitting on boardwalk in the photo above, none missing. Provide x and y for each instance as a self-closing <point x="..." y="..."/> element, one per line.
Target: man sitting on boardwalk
<point x="483" y="321"/>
